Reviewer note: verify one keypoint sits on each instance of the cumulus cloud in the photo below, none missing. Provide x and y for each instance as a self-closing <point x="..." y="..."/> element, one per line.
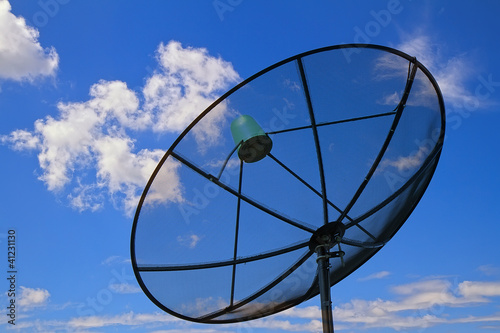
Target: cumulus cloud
<point x="188" y="82"/>
<point x="21" y="55"/>
<point x="94" y="139"/>
<point x="33" y="297"/>
<point x="123" y="172"/>
<point x="21" y="140"/>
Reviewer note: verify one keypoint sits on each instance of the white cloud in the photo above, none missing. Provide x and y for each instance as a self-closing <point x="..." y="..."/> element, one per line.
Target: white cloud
<point x="391" y="99"/>
<point x="93" y="139"/>
<point x="115" y="100"/>
<point x="489" y="270"/>
<point x="274" y="324"/>
<point x="419" y="304"/>
<point x="117" y="165"/>
<point x="124" y="172"/>
<point x="452" y="74"/>
<point x="167" y="186"/>
<point x="232" y="164"/>
<point x="473" y="289"/>
<point x="21" y="140"/>
<point x="191" y="330"/>
<point x="126" y="319"/>
<point x="73" y="139"/>
<point x="405" y="163"/>
<point x="86" y="197"/>
<point x="92" y="135"/>
<point x="310" y="312"/>
<point x="111" y="260"/>
<point x="189" y="241"/>
<point x="21" y="55"/>
<point x="33" y="297"/>
<point x="189" y="81"/>
<point x="124" y="288"/>
<point x="422" y="286"/>
<point x="377" y="275"/>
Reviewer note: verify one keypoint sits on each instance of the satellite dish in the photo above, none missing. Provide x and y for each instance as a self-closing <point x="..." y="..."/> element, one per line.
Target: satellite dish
<point x="287" y="184"/>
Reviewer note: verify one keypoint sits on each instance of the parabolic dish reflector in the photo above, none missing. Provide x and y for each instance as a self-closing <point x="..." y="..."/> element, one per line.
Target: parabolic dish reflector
<point x="355" y="136"/>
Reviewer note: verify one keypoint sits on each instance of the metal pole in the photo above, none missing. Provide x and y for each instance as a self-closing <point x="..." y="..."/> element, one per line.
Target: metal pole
<point x="323" y="261"/>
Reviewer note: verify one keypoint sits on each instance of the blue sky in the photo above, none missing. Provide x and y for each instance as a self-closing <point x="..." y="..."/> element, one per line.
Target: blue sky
<point x="79" y="82"/>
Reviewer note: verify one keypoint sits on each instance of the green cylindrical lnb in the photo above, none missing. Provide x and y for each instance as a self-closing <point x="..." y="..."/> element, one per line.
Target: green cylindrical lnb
<point x="255" y="144"/>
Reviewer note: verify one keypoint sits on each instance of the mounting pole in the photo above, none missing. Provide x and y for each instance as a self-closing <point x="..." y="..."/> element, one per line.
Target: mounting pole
<point x="322" y="240"/>
<point x="323" y="261"/>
